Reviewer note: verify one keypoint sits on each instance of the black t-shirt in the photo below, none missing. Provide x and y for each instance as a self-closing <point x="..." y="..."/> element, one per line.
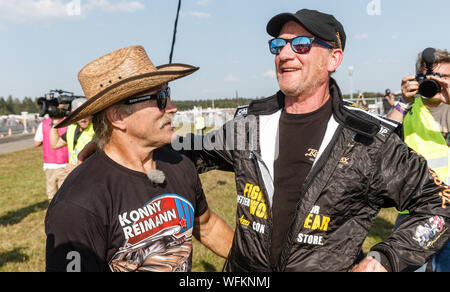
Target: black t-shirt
<point x="109" y="217"/>
<point x="300" y="136"/>
<point x="78" y="132"/>
<point x="441" y="115"/>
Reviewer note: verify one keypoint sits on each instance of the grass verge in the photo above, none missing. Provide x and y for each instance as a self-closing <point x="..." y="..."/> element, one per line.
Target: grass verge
<point x="23" y="204"/>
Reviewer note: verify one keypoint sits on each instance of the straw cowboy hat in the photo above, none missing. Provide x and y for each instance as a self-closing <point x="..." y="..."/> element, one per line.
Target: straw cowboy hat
<point x="120" y="75"/>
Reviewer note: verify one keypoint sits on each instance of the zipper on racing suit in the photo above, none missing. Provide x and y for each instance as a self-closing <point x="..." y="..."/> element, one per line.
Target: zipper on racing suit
<point x="258" y="162"/>
<point x="308" y="181"/>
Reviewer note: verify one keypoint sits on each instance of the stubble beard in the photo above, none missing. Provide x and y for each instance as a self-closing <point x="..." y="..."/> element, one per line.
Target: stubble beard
<point x="307" y="89"/>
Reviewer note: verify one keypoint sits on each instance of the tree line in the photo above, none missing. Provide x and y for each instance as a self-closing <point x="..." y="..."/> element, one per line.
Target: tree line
<point x="15" y="106"/>
<point x="184" y="105"/>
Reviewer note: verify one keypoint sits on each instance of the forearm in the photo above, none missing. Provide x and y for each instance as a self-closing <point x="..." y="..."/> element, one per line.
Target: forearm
<point x="205" y="154"/>
<point x="400" y="110"/>
<point x="55" y="140"/>
<point x="215" y="234"/>
<point x="396" y="115"/>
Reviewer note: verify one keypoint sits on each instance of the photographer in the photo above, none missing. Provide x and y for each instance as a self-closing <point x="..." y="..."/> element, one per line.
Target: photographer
<point x="426" y="123"/>
<point x="76" y="137"/>
<point x="361" y="101"/>
<point x="388" y="102"/>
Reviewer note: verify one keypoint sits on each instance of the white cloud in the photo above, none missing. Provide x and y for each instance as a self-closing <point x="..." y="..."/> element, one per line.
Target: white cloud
<point x="361" y="36"/>
<point x="199" y="14"/>
<point x="231" y="79"/>
<point x="26" y="10"/>
<point x="269" y="74"/>
<point x="105" y="5"/>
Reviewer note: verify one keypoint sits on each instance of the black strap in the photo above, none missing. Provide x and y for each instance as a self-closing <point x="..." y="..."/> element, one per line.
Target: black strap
<point x="175" y="32"/>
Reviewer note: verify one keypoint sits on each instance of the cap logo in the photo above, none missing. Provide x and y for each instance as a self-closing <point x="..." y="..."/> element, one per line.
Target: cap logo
<point x="338" y="35"/>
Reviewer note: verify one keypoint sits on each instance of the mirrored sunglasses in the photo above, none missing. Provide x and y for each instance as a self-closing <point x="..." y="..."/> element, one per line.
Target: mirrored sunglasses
<point x="300" y="45"/>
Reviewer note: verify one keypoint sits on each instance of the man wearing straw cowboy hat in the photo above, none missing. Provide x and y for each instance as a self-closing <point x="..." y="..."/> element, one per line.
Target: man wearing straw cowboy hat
<point x="135" y="204"/>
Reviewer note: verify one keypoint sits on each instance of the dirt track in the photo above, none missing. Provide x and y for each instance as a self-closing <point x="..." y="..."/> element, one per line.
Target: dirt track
<point x="16" y="143"/>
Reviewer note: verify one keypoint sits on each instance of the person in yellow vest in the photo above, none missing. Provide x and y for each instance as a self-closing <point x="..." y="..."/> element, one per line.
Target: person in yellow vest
<point x="78" y="135"/>
<point x="426" y="125"/>
<point x="200" y="125"/>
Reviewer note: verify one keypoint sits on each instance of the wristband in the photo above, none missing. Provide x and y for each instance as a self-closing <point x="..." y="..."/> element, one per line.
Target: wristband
<point x="401" y="110"/>
<point x="403" y="107"/>
<point x="404" y="104"/>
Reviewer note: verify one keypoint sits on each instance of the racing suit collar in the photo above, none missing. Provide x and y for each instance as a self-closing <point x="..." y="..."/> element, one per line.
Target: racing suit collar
<point x="342" y="115"/>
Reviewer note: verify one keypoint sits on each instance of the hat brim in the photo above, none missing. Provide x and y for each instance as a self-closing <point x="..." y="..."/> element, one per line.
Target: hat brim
<point x="127" y="88"/>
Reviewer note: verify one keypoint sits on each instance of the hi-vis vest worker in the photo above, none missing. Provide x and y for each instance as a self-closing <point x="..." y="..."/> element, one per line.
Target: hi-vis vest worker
<point x="75" y="148"/>
<point x="424" y="136"/>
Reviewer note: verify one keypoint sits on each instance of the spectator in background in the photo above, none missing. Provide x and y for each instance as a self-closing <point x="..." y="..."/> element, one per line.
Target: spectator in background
<point x="55" y="161"/>
<point x="77" y="136"/>
<point x="200" y="125"/>
<point x="426" y="124"/>
<point x="360" y="100"/>
<point x="388" y="102"/>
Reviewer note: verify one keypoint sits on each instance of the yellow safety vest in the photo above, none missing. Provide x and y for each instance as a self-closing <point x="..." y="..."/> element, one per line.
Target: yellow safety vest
<point x="200" y="123"/>
<point x="86" y="136"/>
<point x="424" y="136"/>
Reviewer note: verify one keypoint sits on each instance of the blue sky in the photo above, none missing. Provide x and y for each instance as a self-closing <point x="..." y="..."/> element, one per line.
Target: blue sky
<point x="43" y="45"/>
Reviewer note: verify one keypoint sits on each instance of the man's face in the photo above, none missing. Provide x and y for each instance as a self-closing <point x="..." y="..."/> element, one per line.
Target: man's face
<point x="300" y="74"/>
<point x="152" y="126"/>
<point x="84" y="123"/>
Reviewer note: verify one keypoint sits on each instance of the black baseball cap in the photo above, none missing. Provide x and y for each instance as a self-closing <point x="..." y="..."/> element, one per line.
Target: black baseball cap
<point x="321" y="25"/>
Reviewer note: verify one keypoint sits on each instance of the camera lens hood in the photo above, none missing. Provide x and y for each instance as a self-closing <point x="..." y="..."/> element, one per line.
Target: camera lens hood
<point x="429" y="88"/>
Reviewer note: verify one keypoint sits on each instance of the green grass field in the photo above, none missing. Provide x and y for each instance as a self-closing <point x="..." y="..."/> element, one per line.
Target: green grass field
<point x="23" y="204"/>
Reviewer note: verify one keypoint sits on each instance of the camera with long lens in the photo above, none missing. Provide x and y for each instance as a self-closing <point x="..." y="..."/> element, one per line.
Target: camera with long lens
<point x="56" y="103"/>
<point x="428" y="88"/>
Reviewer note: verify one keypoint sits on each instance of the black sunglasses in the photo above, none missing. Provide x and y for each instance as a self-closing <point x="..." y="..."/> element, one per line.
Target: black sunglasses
<point x="300" y="44"/>
<point x="161" y="98"/>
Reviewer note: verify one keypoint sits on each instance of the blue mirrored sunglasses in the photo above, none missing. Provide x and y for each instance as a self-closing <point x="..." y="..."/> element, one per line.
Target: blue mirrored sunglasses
<point x="300" y="44"/>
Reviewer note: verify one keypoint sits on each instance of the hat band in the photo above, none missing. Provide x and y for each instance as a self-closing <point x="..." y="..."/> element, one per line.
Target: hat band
<point x="142" y="76"/>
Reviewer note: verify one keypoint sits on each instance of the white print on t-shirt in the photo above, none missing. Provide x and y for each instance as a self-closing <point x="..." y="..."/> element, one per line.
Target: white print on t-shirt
<point x="158" y="236"/>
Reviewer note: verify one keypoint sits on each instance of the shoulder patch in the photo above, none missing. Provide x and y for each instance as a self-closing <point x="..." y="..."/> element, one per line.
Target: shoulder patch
<point x="387" y="126"/>
<point x="241" y="111"/>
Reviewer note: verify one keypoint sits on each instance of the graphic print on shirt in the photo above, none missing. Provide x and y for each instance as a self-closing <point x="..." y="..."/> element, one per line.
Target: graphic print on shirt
<point x="158" y="237"/>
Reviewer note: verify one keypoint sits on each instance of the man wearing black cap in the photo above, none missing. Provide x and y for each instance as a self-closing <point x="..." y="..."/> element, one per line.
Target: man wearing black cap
<point x="312" y="171"/>
<point x="315" y="170"/>
<point x="388" y="101"/>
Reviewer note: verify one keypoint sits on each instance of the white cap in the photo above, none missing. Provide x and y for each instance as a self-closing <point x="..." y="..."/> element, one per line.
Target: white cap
<point x="77" y="102"/>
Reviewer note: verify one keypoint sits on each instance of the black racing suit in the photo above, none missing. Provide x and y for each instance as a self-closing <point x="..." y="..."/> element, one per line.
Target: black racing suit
<point x="362" y="166"/>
